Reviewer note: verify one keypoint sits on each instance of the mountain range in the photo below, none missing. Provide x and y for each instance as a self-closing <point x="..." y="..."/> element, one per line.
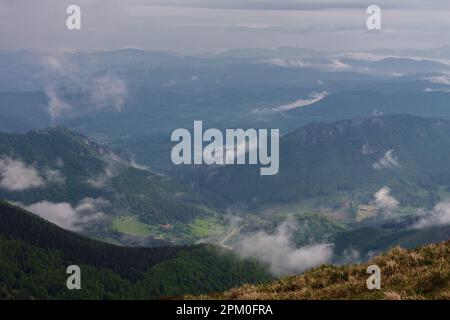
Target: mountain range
<point x="357" y="157"/>
<point x="86" y="173"/>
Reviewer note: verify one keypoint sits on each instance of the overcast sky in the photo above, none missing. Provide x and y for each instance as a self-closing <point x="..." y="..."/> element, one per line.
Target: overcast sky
<point x="193" y="26"/>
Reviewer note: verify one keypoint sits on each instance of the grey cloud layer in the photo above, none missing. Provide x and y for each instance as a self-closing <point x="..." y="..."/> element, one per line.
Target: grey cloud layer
<point x="298" y="4"/>
<point x="208" y="25"/>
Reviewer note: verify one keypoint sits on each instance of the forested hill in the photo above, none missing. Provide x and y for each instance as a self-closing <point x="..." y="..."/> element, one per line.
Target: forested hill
<point x="35" y="255"/>
<point x="407" y="153"/>
<point x="61" y="166"/>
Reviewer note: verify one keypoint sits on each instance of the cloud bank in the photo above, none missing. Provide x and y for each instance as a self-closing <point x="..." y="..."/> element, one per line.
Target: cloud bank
<point x="278" y="251"/>
<point x="176" y="24"/>
<point x="68" y="217"/>
<point x="439" y="216"/>
<point x="15" y="175"/>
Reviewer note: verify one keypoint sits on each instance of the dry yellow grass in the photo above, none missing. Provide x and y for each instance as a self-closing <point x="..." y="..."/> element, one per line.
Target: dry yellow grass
<point x="422" y="273"/>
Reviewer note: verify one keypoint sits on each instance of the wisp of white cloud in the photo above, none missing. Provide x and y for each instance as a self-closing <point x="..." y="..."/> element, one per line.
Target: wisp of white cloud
<point x="56" y="106"/>
<point x="388" y="160"/>
<point x="54" y="176"/>
<point x="100" y="181"/>
<point x="384" y="201"/>
<point x="288" y="63"/>
<point x="313" y="98"/>
<point x="337" y="64"/>
<point x="108" y="91"/>
<point x="15" y="175"/>
<point x="443" y="79"/>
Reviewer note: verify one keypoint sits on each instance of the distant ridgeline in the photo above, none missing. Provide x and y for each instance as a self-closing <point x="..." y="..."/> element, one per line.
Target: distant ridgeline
<point x="35" y="255"/>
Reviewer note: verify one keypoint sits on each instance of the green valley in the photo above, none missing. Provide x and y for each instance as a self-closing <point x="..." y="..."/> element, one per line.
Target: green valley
<point x="32" y="248"/>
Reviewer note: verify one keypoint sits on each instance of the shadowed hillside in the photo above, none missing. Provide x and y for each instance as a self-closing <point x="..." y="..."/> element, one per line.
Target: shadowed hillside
<point x="35" y="255"/>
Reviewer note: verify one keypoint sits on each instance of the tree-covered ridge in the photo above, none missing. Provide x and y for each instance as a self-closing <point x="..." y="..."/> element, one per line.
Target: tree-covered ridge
<point x="35" y="255"/>
<point x="71" y="168"/>
<point x="359" y="156"/>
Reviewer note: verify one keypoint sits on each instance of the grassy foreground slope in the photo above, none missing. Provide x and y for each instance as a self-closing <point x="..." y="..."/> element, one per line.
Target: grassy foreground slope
<point x="422" y="273"/>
